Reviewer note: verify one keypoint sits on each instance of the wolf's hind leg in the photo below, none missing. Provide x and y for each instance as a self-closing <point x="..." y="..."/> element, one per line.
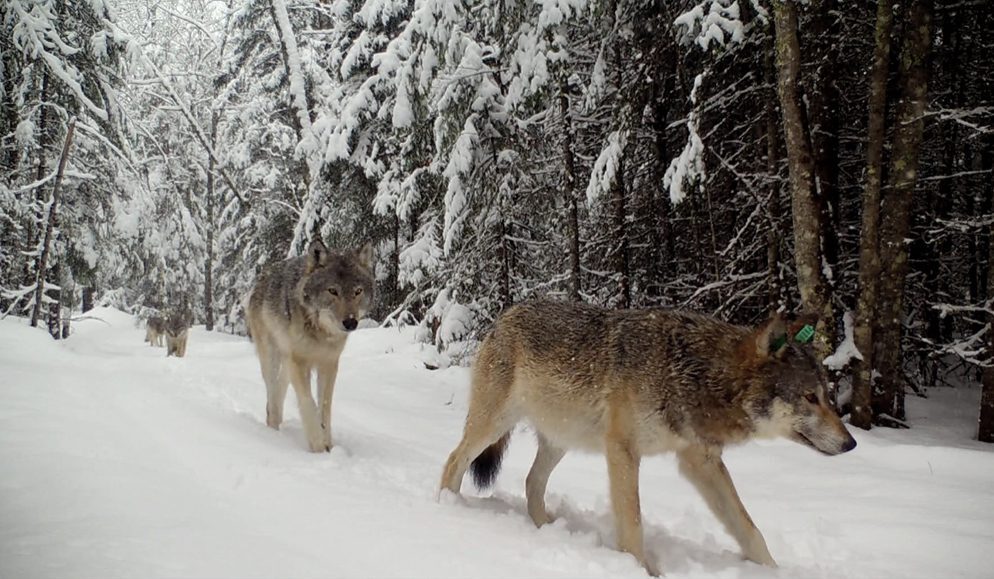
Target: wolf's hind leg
<point x="300" y="377"/>
<point x="706" y="471"/>
<point x="546" y="459"/>
<point x="482" y="433"/>
<point x="488" y="419"/>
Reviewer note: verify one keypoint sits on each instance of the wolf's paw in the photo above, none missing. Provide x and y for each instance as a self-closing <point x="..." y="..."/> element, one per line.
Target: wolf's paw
<point x="543" y="518"/>
<point x="650" y="567"/>
<point x="317" y="445"/>
<point x="764" y="559"/>
<point x="326" y="440"/>
<point x="447" y="496"/>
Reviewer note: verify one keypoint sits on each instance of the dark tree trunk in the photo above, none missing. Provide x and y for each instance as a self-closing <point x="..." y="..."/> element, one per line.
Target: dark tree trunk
<point x="209" y="258"/>
<point x="895" y="220"/>
<point x="662" y="228"/>
<point x="569" y="191"/>
<point x="619" y="203"/>
<point x="869" y="249"/>
<point x="50" y="227"/>
<point x="395" y="258"/>
<point x="938" y="328"/>
<point x="55" y="306"/>
<point x="985" y="431"/>
<point x="31" y="233"/>
<point x="823" y="114"/>
<point x="88" y="294"/>
<point x="620" y="238"/>
<point x="504" y="254"/>
<point x="774" y="261"/>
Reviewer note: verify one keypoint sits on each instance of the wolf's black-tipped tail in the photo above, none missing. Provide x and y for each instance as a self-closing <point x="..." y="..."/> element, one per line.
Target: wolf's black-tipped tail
<point x="486" y="466"/>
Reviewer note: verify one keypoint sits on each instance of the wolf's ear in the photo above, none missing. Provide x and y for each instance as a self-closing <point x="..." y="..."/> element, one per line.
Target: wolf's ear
<point x="365" y="255"/>
<point x="317" y="255"/>
<point x="770" y="339"/>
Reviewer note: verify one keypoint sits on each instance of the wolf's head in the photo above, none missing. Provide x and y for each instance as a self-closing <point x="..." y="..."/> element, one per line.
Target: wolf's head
<point x="338" y="287"/>
<point x="176" y="326"/>
<point x="790" y="399"/>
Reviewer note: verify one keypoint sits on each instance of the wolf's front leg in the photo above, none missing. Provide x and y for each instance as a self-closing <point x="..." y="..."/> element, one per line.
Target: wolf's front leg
<point x="704" y="468"/>
<point x="300" y="377"/>
<point x="327" y="374"/>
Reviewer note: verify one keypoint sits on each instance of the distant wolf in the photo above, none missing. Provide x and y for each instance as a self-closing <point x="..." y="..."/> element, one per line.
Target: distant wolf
<point x="154" y="328"/>
<point x="177" y="329"/>
<point x="633" y="383"/>
<point x="299" y="315"/>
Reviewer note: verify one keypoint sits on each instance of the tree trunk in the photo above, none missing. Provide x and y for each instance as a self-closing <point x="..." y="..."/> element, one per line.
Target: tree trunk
<point x="618" y="194"/>
<point x="805" y="206"/>
<point x="774" y="261"/>
<point x="210" y="226"/>
<point x="895" y="219"/>
<point x="569" y="190"/>
<point x="52" y="213"/>
<point x="938" y="328"/>
<point x="662" y="234"/>
<point x="209" y="259"/>
<point x="823" y="114"/>
<point x="395" y="258"/>
<point x="503" y="254"/>
<point x="53" y="319"/>
<point x="869" y="241"/>
<point x="31" y="233"/>
<point x="88" y="292"/>
<point x="620" y="239"/>
<point x="985" y="432"/>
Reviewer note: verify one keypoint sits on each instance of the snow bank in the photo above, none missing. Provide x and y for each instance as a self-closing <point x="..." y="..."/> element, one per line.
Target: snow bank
<point x="120" y="462"/>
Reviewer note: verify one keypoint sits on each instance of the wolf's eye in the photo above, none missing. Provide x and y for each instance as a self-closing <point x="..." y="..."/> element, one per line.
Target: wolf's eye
<point x="811" y="397"/>
<point x="358" y="291"/>
<point x="333" y="291"/>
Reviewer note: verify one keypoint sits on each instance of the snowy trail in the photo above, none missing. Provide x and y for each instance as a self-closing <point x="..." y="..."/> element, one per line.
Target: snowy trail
<point x="119" y="462"/>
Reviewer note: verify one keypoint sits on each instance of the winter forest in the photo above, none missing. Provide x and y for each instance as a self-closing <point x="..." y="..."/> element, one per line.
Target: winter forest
<point x="729" y="157"/>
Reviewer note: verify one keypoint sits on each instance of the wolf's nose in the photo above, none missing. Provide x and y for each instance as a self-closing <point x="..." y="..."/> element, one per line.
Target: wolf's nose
<point x="350" y="324"/>
<point x="849" y="444"/>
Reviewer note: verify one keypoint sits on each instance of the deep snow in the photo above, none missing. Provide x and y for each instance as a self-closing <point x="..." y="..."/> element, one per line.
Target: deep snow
<point x="116" y="461"/>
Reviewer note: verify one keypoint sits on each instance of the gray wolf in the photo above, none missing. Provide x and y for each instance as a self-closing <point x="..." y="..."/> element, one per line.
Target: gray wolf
<point x="299" y="314"/>
<point x="635" y="383"/>
<point x="155" y="327"/>
<point x="177" y="328"/>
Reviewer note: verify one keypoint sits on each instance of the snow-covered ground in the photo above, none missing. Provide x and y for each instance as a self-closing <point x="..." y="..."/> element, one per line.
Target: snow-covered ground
<point x="116" y="461"/>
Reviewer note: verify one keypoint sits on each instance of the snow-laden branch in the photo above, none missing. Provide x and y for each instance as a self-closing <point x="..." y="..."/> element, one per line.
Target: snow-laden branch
<point x="847" y="351"/>
<point x="34" y="34"/>
<point x="198" y="132"/>
<point x="713" y="21"/>
<point x="689" y="166"/>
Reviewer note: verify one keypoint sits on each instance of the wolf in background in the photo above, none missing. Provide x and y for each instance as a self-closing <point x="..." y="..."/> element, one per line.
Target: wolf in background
<point x="155" y="327"/>
<point x="299" y="314"/>
<point x="633" y="383"/>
